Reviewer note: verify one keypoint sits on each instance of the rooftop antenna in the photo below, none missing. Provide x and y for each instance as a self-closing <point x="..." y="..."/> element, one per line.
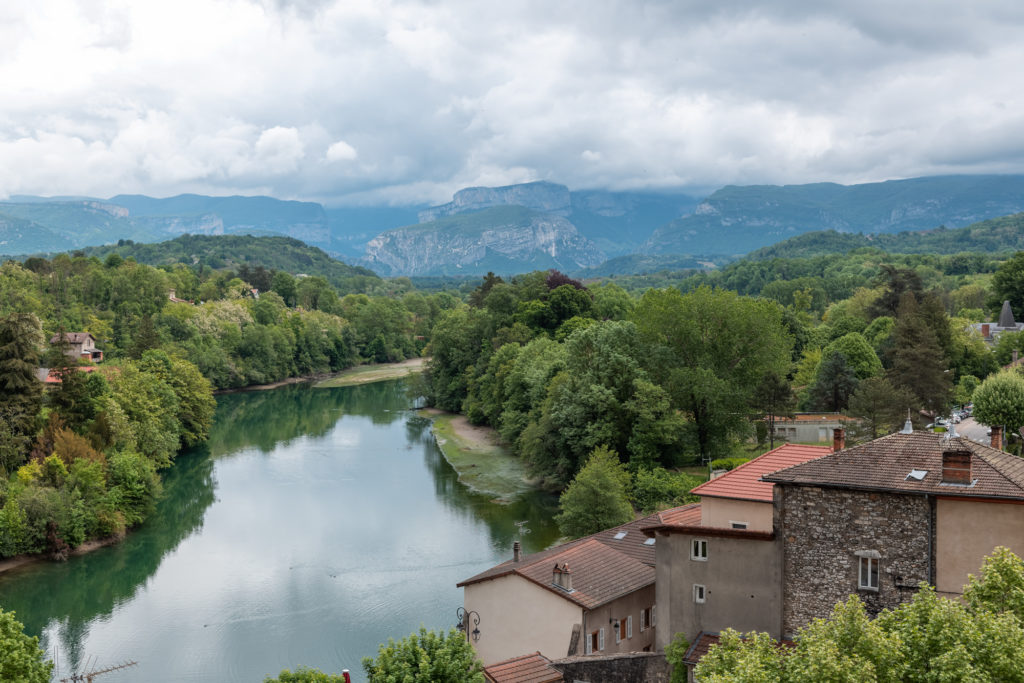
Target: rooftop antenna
<point x="522" y="527"/>
<point x="88" y="676"/>
<point x="908" y="427"/>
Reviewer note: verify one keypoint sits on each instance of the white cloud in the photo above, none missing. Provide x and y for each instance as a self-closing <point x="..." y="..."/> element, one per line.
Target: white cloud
<point x="109" y="96"/>
<point x="341" y="151"/>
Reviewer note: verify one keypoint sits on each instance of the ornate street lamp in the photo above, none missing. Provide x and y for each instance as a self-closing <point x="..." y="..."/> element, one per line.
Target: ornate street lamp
<point x="463" y="624"/>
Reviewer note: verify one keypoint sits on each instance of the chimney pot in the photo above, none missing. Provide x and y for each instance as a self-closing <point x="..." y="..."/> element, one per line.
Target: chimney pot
<point x="997" y="437"/>
<point x="515" y="551"/>
<point x="956" y="467"/>
<point x="838" y="439"/>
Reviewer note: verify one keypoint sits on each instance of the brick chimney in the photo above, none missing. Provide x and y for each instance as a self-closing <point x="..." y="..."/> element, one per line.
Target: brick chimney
<point x="515" y="551"/>
<point x="984" y="330"/>
<point x="956" y="467"/>
<point x="838" y="439"/>
<point x="566" y="577"/>
<point x="997" y="437"/>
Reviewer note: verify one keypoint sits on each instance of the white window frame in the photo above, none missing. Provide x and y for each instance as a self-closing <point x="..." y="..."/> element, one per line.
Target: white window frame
<point x="866" y="562"/>
<point x="600" y="639"/>
<point x="644" y="618"/>
<point x="588" y="645"/>
<point x="700" y="593"/>
<point x="617" y="626"/>
<point x="699" y="550"/>
<point x="629" y="626"/>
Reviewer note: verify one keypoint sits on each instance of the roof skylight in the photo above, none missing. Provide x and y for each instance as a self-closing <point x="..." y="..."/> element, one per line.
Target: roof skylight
<point x="621" y="535"/>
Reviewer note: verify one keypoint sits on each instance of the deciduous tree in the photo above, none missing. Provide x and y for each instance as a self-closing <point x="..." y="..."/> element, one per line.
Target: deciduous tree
<point x="426" y="657"/>
<point x="597" y="498"/>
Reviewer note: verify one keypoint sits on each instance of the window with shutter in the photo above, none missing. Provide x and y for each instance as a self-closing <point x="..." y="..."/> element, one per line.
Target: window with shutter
<point x="600" y="639"/>
<point x="629" y="626"/>
<point x="654" y="615"/>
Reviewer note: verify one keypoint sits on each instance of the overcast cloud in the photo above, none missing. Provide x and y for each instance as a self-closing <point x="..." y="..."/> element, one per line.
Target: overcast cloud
<point x="395" y="102"/>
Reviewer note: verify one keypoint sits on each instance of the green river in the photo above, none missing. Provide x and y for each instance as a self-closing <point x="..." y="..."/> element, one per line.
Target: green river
<point x="314" y="525"/>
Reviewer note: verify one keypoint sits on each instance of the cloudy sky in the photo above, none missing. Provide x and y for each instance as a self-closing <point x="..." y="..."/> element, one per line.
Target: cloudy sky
<point x="346" y="101"/>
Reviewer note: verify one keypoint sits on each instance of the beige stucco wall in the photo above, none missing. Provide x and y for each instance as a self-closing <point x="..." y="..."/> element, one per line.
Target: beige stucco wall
<point x="743" y="586"/>
<point x="606" y="615"/>
<point x="519" y="617"/>
<point x="721" y="512"/>
<point x="966" y="531"/>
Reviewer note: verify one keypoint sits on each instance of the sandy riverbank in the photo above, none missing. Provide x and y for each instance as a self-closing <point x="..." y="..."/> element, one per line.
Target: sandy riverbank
<point x="476" y="453"/>
<point x="364" y="374"/>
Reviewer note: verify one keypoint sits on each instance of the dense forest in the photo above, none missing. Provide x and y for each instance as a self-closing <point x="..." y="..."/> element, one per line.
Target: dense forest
<point x="681" y="372"/>
<point x="80" y="460"/>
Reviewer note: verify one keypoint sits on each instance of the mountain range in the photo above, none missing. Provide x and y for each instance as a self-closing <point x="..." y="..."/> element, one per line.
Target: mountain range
<point x="533" y="225"/>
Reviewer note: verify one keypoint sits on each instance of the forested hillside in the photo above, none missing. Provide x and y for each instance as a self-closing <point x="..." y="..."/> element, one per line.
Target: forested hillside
<point x="998" y="235"/>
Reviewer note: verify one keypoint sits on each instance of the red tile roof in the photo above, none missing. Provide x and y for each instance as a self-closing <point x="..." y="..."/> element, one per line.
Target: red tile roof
<point x="688" y="515"/>
<point x="744" y="482"/>
<point x="884" y="465"/>
<point x="535" y="668"/>
<point x="53" y="378"/>
<point x="603" y="567"/>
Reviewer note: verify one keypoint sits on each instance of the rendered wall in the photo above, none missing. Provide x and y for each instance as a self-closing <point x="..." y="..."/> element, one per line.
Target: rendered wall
<point x="519" y="617"/>
<point x="742" y="582"/>
<point x="966" y="532"/>
<point x="721" y="512"/>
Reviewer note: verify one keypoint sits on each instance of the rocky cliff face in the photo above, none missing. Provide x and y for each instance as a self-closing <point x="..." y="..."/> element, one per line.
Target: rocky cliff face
<point x="504" y="239"/>
<point x="539" y="196"/>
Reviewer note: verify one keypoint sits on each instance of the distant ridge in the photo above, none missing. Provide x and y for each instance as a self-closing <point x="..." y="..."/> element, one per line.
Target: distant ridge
<point x="736" y="220"/>
<point x="993" y="236"/>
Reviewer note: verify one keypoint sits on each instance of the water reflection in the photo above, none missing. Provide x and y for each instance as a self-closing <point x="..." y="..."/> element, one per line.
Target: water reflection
<point x="313" y="525"/>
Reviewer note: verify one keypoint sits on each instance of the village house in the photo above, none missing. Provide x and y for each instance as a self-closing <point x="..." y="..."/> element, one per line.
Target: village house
<point x="80" y="345"/>
<point x="877" y="519"/>
<point x="810" y="427"/>
<point x="990" y="331"/>
<point x="589" y="596"/>
<point x="718" y="562"/>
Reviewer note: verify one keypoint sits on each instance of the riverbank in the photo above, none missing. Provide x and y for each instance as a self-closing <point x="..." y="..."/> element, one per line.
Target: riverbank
<point x="359" y="374"/>
<point x="22" y="560"/>
<point x="379" y="372"/>
<point x="483" y="464"/>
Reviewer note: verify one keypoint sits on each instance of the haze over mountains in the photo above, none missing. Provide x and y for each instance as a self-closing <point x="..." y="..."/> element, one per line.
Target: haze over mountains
<point x="527" y="226"/>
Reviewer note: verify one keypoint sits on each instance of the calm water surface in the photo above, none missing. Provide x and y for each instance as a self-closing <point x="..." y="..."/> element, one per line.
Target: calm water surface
<point x="314" y="524"/>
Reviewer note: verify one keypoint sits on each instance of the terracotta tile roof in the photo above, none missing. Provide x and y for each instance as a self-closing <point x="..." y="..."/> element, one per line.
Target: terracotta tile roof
<point x="688" y="515"/>
<point x="603" y="567"/>
<point x="53" y="378"/>
<point x="72" y="337"/>
<point x="535" y="668"/>
<point x="884" y="465"/>
<point x="744" y="482"/>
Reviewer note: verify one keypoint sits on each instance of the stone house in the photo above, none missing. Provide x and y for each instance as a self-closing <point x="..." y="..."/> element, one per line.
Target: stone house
<point x="879" y="518"/>
<point x="81" y="345"/>
<point x="594" y="595"/>
<point x="718" y="562"/>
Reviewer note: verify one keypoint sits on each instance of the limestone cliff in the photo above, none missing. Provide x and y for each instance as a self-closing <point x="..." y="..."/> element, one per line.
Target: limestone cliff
<point x="539" y="196"/>
<point x="503" y="238"/>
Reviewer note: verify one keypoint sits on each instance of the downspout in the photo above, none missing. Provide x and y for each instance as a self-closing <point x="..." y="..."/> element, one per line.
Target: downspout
<point x="931" y="538"/>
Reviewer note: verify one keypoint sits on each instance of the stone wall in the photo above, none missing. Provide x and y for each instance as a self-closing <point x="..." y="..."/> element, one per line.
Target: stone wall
<point x="823" y="528"/>
<point x="635" y="667"/>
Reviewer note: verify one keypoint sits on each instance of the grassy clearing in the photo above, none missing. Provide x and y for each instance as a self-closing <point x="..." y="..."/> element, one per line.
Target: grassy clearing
<point x="364" y="374"/>
<point x="482" y="463"/>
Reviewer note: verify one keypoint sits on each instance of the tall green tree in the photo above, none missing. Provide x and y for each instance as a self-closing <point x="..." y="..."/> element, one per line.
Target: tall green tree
<point x="20" y="389"/>
<point x="880" y="406"/>
<point x="1008" y="285"/>
<point x="597" y="498"/>
<point x="917" y="360"/>
<point x="999" y="401"/>
<point x="834" y="383"/>
<point x="425" y="657"/>
<point x="21" y="658"/>
<point x="709" y="349"/>
<point x="773" y="399"/>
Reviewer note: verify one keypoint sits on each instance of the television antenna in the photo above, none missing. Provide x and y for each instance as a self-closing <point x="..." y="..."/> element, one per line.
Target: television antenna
<point x="522" y="527"/>
<point x="88" y="676"/>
